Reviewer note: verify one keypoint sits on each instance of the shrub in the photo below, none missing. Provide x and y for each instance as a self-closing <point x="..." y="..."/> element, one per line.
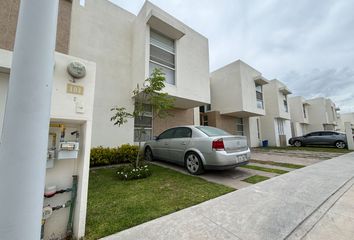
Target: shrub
<point x="101" y="156"/>
<point x="130" y="172"/>
<point x="128" y="153"/>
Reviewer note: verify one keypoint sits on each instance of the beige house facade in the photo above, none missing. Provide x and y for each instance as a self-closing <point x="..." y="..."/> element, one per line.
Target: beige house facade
<point x="323" y="114"/>
<point x="275" y="124"/>
<point x="345" y="117"/>
<point x="236" y="101"/>
<point x="299" y="114"/>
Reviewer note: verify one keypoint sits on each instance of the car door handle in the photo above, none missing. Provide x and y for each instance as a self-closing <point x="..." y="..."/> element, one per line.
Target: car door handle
<point x="166" y="144"/>
<point x="183" y="143"/>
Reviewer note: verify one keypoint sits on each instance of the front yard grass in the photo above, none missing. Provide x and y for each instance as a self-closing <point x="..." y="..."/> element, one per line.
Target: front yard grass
<point x="264" y="169"/>
<point x="313" y="149"/>
<point x="255" y="179"/>
<point x="115" y="205"/>
<point x="279" y="164"/>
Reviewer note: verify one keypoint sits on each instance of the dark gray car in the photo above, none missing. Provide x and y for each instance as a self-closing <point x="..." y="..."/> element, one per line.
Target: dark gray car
<point x="326" y="138"/>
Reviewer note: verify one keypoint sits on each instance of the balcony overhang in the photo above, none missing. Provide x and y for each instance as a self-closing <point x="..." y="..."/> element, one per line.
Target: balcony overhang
<point x="284" y="91"/>
<point x="242" y="114"/>
<point x="260" y="80"/>
<point x="165" y="25"/>
<point x="306" y="104"/>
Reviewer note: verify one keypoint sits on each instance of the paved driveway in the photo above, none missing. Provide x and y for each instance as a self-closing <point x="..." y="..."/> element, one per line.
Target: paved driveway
<point x="234" y="177"/>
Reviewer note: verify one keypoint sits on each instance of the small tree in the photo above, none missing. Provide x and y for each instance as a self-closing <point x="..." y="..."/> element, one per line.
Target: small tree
<point x="149" y="94"/>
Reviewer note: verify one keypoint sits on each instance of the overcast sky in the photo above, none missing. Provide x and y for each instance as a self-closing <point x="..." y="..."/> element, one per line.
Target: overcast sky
<point x="308" y="45"/>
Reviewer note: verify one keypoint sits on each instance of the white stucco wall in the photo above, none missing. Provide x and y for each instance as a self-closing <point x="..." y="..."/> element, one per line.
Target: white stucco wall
<point x="102" y="32"/>
<point x="345" y="117"/>
<point x="321" y="112"/>
<point x="233" y="90"/>
<point x="4" y="84"/>
<point x="296" y="104"/>
<point x="118" y="41"/>
<point x="63" y="110"/>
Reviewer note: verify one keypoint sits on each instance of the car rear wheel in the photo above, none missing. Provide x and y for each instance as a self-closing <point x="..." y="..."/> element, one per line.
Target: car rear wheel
<point x="148" y="154"/>
<point x="194" y="164"/>
<point x="297" y="143"/>
<point x="340" y="144"/>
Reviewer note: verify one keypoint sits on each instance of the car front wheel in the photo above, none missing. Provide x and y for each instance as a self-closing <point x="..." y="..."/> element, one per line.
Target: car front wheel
<point x="194" y="164"/>
<point x="297" y="143"/>
<point x="340" y="144"/>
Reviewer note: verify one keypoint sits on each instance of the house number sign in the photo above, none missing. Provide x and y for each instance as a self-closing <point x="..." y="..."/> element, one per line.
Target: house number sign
<point x="74" y="89"/>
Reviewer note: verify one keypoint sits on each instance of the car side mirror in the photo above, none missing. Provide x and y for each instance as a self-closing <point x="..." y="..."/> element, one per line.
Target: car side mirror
<point x="155" y="138"/>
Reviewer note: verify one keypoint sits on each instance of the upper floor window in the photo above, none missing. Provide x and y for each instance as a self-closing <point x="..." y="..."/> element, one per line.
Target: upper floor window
<point x="304" y="111"/>
<point x="285" y="102"/>
<point x="259" y="96"/>
<point x="162" y="55"/>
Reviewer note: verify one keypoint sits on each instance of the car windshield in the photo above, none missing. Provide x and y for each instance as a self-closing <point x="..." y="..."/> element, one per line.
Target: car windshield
<point x="212" y="132"/>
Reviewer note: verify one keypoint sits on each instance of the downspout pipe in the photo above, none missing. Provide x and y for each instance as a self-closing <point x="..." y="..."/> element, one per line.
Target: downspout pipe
<point x="24" y="140"/>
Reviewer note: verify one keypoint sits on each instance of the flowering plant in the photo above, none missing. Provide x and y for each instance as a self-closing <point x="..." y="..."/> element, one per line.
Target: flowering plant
<point x="131" y="172"/>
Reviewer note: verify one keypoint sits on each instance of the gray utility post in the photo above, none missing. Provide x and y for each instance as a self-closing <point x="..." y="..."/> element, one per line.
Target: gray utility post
<point x="23" y="144"/>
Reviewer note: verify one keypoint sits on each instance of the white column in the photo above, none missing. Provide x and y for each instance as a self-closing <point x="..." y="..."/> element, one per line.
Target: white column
<point x="23" y="145"/>
<point x="349" y="133"/>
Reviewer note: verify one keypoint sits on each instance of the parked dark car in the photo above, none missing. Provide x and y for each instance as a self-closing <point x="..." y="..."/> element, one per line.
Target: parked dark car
<point x="325" y="138"/>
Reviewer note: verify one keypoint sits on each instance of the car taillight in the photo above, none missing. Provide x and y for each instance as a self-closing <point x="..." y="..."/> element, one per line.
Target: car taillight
<point x="218" y="144"/>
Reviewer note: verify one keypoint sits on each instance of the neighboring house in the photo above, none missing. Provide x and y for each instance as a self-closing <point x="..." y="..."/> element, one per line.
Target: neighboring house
<point x="345" y="117"/>
<point x="126" y="48"/>
<point x="276" y="123"/>
<point x="323" y="114"/>
<point x="236" y="101"/>
<point x="299" y="114"/>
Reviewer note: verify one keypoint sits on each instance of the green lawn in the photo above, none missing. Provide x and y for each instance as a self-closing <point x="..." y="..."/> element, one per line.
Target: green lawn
<point x="264" y="169"/>
<point x="313" y="149"/>
<point x="280" y="164"/>
<point x="115" y="205"/>
<point x="255" y="179"/>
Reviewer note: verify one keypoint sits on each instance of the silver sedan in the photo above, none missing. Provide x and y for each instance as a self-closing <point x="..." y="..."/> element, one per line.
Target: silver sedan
<point x="198" y="148"/>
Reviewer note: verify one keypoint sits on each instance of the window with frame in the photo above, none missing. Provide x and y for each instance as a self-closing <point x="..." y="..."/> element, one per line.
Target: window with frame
<point x="304" y="111"/>
<point x="259" y="96"/>
<point x="205" y="120"/>
<point x="162" y="55"/>
<point x="143" y="125"/>
<point x="285" y="102"/>
<point x="239" y="127"/>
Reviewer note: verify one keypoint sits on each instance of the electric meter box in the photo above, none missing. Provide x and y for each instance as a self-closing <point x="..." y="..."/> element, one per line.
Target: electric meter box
<point x="68" y="150"/>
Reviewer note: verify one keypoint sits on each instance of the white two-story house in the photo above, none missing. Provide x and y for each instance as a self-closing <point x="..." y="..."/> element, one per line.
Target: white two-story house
<point x="126" y="48"/>
<point x="299" y="114"/>
<point x="276" y="123"/>
<point x="236" y="101"/>
<point x="323" y="114"/>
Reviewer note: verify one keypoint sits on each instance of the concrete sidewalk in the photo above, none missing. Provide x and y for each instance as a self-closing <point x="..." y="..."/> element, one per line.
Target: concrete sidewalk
<point x="300" y="204"/>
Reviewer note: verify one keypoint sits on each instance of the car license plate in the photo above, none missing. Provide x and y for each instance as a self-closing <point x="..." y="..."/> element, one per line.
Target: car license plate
<point x="241" y="158"/>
